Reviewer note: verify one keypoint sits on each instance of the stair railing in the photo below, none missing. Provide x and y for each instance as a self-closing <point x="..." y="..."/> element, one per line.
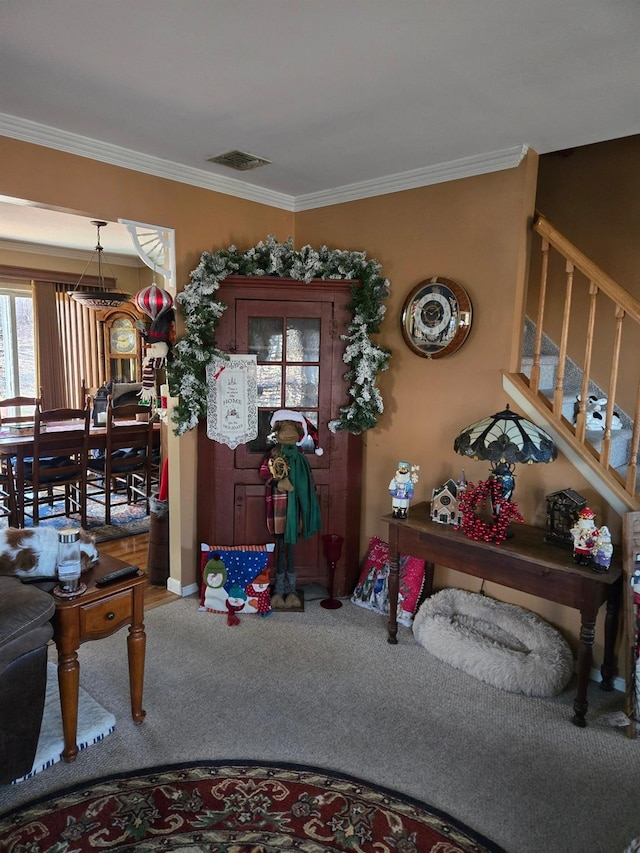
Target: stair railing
<point x="601" y="287"/>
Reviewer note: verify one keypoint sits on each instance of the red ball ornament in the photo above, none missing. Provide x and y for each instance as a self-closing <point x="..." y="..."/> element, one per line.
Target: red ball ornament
<point x="153" y="301"/>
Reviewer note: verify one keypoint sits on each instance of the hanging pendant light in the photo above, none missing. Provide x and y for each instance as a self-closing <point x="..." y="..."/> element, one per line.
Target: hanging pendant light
<point x="101" y="297"/>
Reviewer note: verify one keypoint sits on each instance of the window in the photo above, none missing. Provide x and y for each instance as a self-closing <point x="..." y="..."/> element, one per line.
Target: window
<point x="17" y="354"/>
<point x="288" y="353"/>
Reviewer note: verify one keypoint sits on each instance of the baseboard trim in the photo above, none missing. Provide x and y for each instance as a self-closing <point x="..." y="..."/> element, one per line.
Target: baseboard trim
<point x="176" y="588"/>
<point x="618" y="683"/>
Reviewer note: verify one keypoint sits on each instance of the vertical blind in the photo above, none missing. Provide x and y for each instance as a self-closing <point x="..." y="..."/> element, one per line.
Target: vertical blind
<point x="67" y="345"/>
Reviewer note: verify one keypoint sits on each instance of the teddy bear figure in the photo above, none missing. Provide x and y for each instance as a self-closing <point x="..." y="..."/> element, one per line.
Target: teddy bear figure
<point x="292" y="504"/>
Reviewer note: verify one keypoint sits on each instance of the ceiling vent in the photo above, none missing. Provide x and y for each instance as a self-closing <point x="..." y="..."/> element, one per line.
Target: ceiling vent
<point x="239" y="160"/>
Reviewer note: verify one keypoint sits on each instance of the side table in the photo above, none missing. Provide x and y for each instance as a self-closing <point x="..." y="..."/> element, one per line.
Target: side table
<point x="96" y="613"/>
<point x="526" y="563"/>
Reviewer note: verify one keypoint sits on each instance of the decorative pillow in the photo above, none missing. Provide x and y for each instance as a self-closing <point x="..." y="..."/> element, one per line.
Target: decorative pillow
<point x="372" y="589"/>
<point x="235" y="579"/>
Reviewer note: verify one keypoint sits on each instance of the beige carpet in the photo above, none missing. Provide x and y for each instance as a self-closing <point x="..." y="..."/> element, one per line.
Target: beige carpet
<point x="324" y="688"/>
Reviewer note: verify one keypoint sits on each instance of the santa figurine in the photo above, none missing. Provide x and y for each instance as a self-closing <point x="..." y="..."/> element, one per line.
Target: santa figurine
<point x="584" y="533"/>
<point x="602" y="550"/>
<point x="292" y="504"/>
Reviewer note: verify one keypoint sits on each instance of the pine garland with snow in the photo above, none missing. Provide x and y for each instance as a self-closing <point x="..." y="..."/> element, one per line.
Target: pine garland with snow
<point x="202" y="310"/>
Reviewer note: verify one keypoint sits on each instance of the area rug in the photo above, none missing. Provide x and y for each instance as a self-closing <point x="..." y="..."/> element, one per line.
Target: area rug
<point x="126" y="520"/>
<point x="235" y="807"/>
<point x="94" y="724"/>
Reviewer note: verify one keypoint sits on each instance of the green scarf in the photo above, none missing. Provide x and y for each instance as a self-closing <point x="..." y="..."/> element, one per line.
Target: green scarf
<point x="302" y="503"/>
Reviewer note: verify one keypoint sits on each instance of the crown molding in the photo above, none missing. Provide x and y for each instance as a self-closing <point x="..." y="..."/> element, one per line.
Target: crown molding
<point x="72" y="143"/>
<point x="466" y="167"/>
<point x="83" y="146"/>
<point x="62" y="252"/>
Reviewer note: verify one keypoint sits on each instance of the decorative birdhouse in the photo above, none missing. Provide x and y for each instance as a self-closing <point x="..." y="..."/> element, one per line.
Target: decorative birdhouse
<point x="563" y="509"/>
<point x="444" y="504"/>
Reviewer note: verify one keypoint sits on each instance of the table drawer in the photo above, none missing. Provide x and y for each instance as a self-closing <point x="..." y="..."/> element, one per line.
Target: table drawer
<point x="104" y="617"/>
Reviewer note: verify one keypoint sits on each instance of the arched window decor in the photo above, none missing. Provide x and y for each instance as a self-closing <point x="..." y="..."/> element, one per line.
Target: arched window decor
<point x="201" y="310"/>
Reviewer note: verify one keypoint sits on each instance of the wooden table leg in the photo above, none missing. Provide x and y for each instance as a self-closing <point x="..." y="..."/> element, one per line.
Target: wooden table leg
<point x="585" y="657"/>
<point x="608" y="669"/>
<point x="136" y="648"/>
<point x="69" y="686"/>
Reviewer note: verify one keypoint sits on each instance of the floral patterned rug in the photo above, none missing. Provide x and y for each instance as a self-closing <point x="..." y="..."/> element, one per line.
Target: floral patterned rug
<point x="126" y="520"/>
<point x="235" y="807"/>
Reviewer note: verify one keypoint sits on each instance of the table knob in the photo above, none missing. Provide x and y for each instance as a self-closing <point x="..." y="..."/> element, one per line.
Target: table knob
<point x="111" y="615"/>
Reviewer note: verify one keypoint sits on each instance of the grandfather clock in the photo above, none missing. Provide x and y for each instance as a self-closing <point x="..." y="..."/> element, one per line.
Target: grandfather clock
<point x="120" y="343"/>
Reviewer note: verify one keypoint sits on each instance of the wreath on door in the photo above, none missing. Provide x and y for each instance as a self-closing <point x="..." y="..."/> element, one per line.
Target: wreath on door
<point x="202" y="311"/>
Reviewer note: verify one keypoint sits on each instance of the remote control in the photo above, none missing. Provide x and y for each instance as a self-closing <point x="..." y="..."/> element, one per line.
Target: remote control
<point x="117" y="575"/>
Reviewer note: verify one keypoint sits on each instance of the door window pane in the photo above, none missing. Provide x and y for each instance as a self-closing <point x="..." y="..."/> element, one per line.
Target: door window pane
<point x="302" y="386"/>
<point x="303" y="339"/>
<point x="269" y="385"/>
<point x="265" y="338"/>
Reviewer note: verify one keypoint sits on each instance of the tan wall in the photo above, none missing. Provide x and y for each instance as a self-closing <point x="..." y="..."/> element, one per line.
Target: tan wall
<point x="472" y="230"/>
<point x="592" y="195"/>
<point x="202" y="220"/>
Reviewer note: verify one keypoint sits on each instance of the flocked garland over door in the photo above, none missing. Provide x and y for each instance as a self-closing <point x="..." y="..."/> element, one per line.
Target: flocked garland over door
<point x="202" y="311"/>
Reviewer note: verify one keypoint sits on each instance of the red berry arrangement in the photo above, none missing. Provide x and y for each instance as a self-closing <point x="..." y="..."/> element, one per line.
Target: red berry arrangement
<point x="488" y="495"/>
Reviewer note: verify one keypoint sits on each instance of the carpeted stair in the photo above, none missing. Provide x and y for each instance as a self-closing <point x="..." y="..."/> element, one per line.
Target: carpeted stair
<point x="572" y="383"/>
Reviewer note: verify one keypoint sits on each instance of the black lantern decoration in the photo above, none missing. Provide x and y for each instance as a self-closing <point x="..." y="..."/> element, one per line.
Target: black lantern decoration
<point x="563" y="509"/>
<point x="504" y="439"/>
<point x="102" y="297"/>
<point x="99" y="403"/>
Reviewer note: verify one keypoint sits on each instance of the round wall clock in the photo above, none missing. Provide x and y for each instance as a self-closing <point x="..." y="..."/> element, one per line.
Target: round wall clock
<point x="436" y="317"/>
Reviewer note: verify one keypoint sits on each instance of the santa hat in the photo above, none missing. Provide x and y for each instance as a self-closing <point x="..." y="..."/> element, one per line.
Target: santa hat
<point x="263" y="577"/>
<point x="308" y="429"/>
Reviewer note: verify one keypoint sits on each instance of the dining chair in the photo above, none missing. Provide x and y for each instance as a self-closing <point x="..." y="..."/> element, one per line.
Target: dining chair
<point x="126" y="465"/>
<point x="20" y="413"/>
<point x="140" y="411"/>
<point x="59" y="464"/>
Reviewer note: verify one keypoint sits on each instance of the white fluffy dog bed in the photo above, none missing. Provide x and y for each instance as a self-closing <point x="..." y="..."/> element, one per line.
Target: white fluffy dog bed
<point x="502" y="644"/>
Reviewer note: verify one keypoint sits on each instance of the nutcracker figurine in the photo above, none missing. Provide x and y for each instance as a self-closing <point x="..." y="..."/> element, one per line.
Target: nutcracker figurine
<point x="401" y="488"/>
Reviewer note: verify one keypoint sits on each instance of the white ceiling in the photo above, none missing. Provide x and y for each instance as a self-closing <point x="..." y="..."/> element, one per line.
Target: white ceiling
<point x="347" y="98"/>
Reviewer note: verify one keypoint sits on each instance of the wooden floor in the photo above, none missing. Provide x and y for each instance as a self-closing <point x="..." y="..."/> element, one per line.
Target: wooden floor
<point x="133" y="549"/>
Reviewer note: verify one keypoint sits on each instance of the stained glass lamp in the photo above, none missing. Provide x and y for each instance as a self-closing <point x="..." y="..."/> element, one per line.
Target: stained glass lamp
<point x="505" y="439"/>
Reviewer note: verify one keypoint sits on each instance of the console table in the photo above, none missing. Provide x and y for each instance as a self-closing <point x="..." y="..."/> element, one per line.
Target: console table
<point x="98" y="612"/>
<point x="524" y="562"/>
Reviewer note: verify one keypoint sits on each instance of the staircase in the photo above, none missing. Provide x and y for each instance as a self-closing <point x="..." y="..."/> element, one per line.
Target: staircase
<point x="550" y="382"/>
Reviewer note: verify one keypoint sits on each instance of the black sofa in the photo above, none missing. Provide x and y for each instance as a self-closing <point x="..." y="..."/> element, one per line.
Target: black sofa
<point x="25" y="630"/>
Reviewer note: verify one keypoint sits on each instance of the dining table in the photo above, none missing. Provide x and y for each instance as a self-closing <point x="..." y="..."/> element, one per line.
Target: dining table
<point x="17" y="442"/>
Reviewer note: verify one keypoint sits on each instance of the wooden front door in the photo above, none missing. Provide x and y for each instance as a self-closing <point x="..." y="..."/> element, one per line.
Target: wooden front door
<point x="294" y="330"/>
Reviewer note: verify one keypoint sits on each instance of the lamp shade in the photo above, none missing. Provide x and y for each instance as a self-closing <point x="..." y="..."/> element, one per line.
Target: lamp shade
<point x="506" y="437"/>
<point x="101" y="297"/>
